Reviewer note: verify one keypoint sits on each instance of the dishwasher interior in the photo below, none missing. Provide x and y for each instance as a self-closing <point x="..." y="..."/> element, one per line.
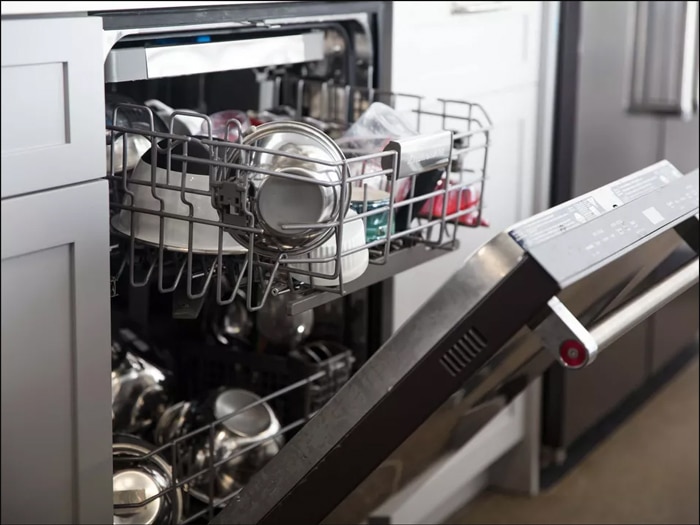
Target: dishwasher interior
<point x="261" y="179"/>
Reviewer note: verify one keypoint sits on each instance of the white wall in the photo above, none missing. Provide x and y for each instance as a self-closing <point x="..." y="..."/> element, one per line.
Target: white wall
<point x="492" y="58"/>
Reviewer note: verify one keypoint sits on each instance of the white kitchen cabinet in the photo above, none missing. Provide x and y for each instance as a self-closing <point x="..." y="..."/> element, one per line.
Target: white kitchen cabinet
<point x="56" y="431"/>
<point x="440" y="53"/>
<point x="52" y="103"/>
<point x="56" y="426"/>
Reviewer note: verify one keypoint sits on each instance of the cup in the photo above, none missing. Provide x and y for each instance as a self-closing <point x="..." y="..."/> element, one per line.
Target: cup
<point x="466" y="198"/>
<point x="377" y="202"/>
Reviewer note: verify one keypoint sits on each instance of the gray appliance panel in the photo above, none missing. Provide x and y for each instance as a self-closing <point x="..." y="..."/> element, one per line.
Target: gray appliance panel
<point x="573" y="239"/>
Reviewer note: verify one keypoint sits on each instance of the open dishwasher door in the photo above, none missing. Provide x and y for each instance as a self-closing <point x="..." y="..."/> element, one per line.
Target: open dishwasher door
<point x="560" y="286"/>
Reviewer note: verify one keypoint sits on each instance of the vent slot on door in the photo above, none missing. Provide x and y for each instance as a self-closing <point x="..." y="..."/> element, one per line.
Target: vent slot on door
<point x="463" y="352"/>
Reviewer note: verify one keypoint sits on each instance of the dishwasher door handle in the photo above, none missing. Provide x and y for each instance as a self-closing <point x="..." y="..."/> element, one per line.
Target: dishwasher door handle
<point x="575" y="346"/>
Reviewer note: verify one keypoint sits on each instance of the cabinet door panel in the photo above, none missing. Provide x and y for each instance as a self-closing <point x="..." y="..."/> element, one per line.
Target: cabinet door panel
<point x="52" y="103"/>
<point x="56" y="425"/>
<point x="440" y="53"/>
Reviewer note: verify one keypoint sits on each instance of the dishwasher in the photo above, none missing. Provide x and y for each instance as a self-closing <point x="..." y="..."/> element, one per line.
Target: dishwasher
<point x="264" y="185"/>
<point x="271" y="292"/>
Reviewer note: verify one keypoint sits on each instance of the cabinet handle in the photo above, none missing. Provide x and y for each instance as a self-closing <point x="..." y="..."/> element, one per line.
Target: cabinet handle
<point x="470" y="8"/>
<point x="664" y="77"/>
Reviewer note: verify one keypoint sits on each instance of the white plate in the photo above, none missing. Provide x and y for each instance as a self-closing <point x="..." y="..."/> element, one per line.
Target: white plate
<point x="202" y="241"/>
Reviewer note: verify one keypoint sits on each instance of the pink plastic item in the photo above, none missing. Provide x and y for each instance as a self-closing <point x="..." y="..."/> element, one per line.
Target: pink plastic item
<point x="220" y="120"/>
<point x="470" y="197"/>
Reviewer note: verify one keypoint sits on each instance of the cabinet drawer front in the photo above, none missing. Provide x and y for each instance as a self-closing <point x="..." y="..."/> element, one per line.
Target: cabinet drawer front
<point x="52" y="103"/>
<point x="56" y="425"/>
<point x="465" y="53"/>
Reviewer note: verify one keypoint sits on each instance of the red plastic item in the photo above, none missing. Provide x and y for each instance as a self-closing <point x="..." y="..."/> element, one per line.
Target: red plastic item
<point x="470" y="198"/>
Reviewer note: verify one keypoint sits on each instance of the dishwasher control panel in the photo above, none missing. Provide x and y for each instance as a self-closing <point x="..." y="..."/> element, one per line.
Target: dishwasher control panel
<point x="577" y="237"/>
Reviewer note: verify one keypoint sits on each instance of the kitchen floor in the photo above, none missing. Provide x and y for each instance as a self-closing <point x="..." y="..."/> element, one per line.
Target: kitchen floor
<point x="646" y="472"/>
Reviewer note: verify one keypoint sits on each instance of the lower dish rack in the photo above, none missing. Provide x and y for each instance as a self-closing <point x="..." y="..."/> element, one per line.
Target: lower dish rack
<point x="222" y="413"/>
<point x="339" y="189"/>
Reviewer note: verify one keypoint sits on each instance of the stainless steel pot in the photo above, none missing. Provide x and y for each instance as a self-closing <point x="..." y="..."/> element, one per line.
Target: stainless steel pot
<point x="234" y="325"/>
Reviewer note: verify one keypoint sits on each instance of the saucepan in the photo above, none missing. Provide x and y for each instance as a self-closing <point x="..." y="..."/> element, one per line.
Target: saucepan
<point x="140" y="392"/>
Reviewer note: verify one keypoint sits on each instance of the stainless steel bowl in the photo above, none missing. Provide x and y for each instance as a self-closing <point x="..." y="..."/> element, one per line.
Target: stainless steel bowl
<point x="312" y="197"/>
<point x="139" y="393"/>
<point x="175" y="422"/>
<point x="136" y="146"/>
<point x="233" y="324"/>
<point x="280" y="328"/>
<point x="138" y="477"/>
<point x="249" y="439"/>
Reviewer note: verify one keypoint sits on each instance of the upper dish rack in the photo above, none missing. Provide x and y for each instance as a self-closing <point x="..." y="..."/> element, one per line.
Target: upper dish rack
<point x="189" y="216"/>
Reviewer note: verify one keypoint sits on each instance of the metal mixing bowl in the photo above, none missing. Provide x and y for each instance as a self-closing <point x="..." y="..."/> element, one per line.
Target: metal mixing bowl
<point x="140" y="393"/>
<point x="313" y="195"/>
<point x="138" y="477"/>
<point x="249" y="439"/>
